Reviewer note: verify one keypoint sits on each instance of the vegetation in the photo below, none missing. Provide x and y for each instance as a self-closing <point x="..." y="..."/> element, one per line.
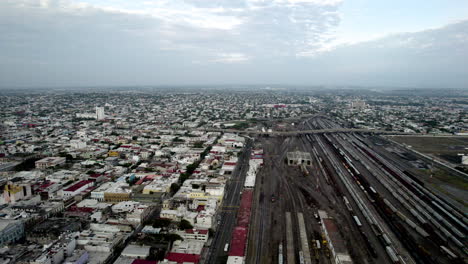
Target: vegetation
<point x="198" y="144"/>
<point x="26" y="165"/>
<point x="184" y="224"/>
<point x="174" y="188"/>
<point x="241" y="125"/>
<point x="177" y="139"/>
<point x="161" y="222"/>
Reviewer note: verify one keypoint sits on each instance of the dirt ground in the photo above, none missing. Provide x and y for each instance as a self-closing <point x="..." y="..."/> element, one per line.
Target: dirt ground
<point x="446" y="148"/>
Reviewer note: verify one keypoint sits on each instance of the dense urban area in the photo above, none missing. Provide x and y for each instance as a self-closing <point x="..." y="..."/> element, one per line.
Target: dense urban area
<point x="239" y="175"/>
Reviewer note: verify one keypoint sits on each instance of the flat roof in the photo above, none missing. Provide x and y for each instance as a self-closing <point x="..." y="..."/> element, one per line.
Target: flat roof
<point x="243" y="216"/>
<point x="77" y="186"/>
<point x="238" y="241"/>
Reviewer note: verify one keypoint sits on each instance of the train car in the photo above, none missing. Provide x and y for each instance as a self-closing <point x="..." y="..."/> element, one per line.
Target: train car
<point x="347" y="204"/>
<point x="358" y="222"/>
<point x="448" y="252"/>
<point x="280" y="254"/>
<point x="391" y="253"/>
<point x="301" y="257"/>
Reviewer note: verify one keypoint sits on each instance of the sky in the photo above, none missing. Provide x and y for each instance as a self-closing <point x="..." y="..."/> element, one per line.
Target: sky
<point x="374" y="43"/>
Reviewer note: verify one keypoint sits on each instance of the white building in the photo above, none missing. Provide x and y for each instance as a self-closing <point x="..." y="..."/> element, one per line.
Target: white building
<point x="98" y="193"/>
<point x="76" y="188"/>
<point x="204" y="220"/>
<point x="194" y="234"/>
<point x="77" y="144"/>
<point x="100" y="113"/>
<point x="49" y="162"/>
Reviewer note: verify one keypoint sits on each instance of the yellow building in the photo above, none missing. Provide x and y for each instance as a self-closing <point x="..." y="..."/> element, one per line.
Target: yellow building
<point x="116" y="197"/>
<point x="198" y="195"/>
<point x="113" y="153"/>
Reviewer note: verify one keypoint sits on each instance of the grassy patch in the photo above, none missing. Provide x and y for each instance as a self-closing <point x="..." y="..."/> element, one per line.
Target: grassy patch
<point x="447" y="178"/>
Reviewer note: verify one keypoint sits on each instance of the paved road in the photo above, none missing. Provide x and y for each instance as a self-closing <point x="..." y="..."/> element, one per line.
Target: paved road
<point x="228" y="210"/>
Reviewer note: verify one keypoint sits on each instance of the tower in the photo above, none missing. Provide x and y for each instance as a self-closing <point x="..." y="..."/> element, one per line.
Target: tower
<point x="100" y="113"/>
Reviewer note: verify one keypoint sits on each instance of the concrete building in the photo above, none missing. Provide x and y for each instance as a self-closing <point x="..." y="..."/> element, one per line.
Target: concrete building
<point x="78" y="257"/>
<point x="335" y="241"/>
<point x="14" y="192"/>
<point x="135" y="251"/>
<point x="77" y="144"/>
<point x="299" y="158"/>
<point x="10" y="231"/>
<point x="465" y="160"/>
<point x="194" y="234"/>
<point x="77" y="188"/>
<point x="49" y="162"/>
<point x="100" y="113"/>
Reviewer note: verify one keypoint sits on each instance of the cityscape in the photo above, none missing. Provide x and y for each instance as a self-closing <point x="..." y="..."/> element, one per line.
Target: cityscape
<point x="233" y="132"/>
<point x="152" y="175"/>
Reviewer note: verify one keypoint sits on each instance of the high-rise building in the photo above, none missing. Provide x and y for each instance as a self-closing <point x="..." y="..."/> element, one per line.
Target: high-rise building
<point x="100" y="113"/>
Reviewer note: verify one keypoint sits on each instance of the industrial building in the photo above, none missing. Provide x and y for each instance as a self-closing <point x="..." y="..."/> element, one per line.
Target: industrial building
<point x="299" y="158"/>
<point x="334" y="239"/>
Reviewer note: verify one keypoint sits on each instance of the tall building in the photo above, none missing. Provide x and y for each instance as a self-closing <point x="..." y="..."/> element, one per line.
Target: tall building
<point x="359" y="105"/>
<point x="100" y="113"/>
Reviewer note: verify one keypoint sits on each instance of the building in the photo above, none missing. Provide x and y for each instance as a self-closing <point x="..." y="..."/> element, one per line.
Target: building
<point x="77" y="188"/>
<point x="182" y="258"/>
<point x="358" y="105"/>
<point x="98" y="193"/>
<point x="113" y="192"/>
<point x="464" y="160"/>
<point x="78" y="257"/>
<point x="194" y="234"/>
<point x="14" y="192"/>
<point x="100" y="113"/>
<point x="135" y="251"/>
<point x="10" y="231"/>
<point x="299" y="158"/>
<point x="335" y="241"/>
<point x="77" y="144"/>
<point x="101" y="238"/>
<point x="49" y="162"/>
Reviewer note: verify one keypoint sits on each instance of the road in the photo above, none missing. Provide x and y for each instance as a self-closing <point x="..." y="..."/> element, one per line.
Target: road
<point x="228" y="210"/>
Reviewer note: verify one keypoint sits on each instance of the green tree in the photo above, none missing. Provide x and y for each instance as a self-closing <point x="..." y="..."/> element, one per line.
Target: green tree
<point x="184" y="224"/>
<point x="174" y="188"/>
<point x="161" y="222"/>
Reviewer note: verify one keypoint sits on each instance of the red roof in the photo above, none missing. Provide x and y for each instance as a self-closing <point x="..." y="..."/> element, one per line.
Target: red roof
<point x="183" y="257"/>
<point x="243" y="216"/>
<point x="45" y="185"/>
<point x="77" y="186"/>
<point x="200" y="231"/>
<point x="239" y="237"/>
<point x="142" y="261"/>
<point x="200" y="208"/>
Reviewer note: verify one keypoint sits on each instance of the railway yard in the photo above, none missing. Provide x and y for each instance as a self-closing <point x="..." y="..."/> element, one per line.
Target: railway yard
<point x="356" y="202"/>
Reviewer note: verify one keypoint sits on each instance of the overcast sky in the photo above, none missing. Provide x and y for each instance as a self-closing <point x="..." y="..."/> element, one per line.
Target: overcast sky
<point x="402" y="43"/>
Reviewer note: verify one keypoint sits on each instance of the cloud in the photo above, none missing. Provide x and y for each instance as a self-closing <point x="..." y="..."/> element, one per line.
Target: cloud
<point x="256" y="28"/>
<point x="231" y="58"/>
<point x="117" y="42"/>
